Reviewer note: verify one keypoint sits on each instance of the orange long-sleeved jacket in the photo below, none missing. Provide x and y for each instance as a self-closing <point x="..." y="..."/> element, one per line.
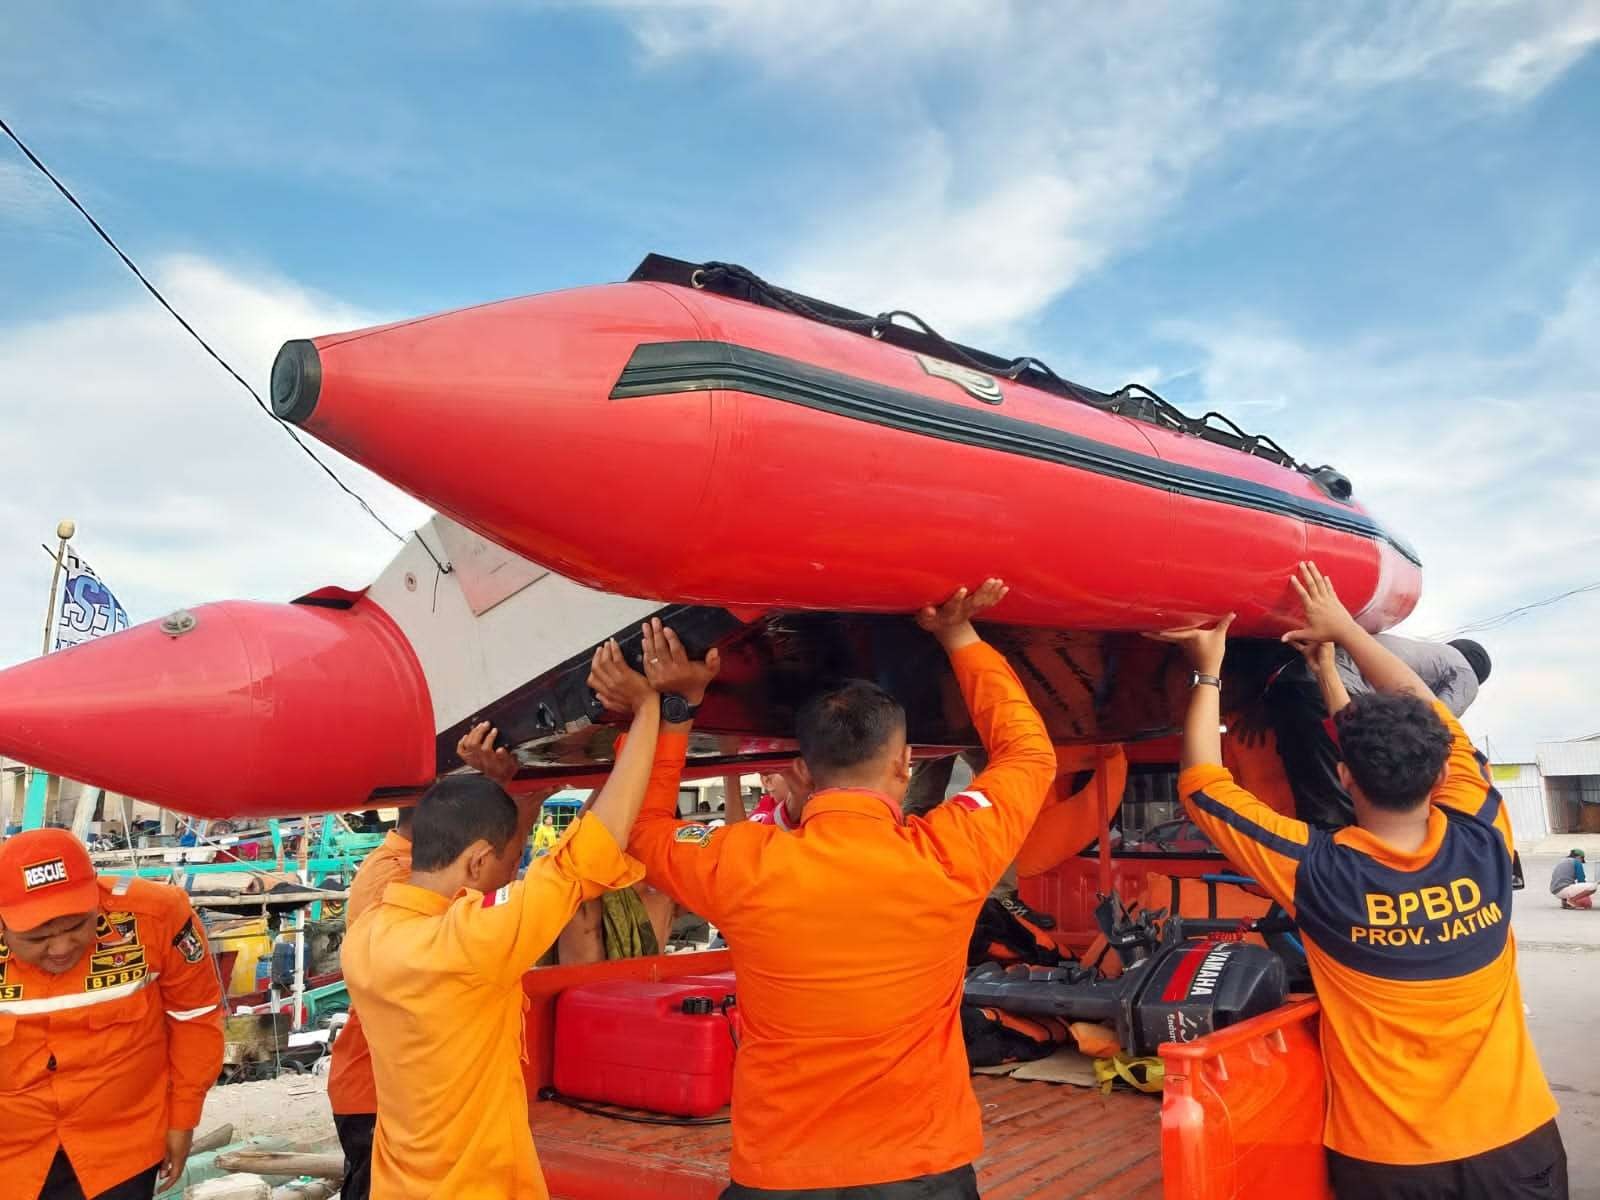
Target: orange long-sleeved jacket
<point x="1427" y="1049"/>
<point x="104" y="1059"/>
<point x="1070" y="821"/>
<point x="350" y="1086"/>
<point x="438" y="982"/>
<point x="849" y="940"/>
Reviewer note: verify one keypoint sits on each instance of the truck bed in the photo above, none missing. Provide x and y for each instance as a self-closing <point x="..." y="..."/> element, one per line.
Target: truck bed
<point x="1041" y="1142"/>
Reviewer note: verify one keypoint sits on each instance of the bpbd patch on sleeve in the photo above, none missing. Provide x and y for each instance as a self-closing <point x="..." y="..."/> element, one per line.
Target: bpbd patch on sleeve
<point x="189" y="943"/>
<point x="693" y="835"/>
<point x="500" y="897"/>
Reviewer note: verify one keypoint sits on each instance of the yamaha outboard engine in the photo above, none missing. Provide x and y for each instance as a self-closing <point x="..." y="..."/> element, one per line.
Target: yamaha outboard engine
<point x="1183" y="991"/>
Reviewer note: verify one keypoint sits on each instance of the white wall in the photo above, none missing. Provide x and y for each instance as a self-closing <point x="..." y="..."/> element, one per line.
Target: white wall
<point x="1522" y="790"/>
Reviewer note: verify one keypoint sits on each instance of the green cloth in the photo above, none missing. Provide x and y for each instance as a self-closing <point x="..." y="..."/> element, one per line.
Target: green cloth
<point x="626" y="925"/>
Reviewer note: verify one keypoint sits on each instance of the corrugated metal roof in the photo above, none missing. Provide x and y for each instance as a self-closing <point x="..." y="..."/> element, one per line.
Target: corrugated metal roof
<point x="1570" y="758"/>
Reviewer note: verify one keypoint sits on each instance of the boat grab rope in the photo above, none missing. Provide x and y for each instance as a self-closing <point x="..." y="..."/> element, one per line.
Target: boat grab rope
<point x="1132" y="400"/>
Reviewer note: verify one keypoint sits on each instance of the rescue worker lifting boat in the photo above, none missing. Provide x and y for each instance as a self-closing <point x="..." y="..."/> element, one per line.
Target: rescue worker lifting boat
<point x="852" y="1076"/>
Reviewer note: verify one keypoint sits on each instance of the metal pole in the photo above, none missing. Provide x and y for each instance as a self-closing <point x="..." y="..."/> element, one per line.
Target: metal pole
<point x="65" y="530"/>
<point x="300" y="941"/>
<point x="1102" y="790"/>
<point x="732" y="793"/>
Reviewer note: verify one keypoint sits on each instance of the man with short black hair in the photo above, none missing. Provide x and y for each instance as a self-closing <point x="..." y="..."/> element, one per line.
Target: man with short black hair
<point x="849" y="935"/>
<point x="436" y="967"/>
<point x="1434" y="1088"/>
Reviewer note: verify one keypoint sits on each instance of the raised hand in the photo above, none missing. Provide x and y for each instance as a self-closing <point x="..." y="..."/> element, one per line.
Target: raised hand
<point x="1319" y="656"/>
<point x="1204" y="647"/>
<point x="477" y="749"/>
<point x="619" y="686"/>
<point x="1327" y="619"/>
<point x="951" y="622"/>
<point x="668" y="667"/>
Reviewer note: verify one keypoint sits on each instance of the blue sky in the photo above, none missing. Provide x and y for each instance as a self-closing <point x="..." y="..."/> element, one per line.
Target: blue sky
<point x="1369" y="230"/>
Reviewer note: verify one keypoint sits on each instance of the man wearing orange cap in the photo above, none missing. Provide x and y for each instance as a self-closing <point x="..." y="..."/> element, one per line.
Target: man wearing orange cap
<point x="110" y="1025"/>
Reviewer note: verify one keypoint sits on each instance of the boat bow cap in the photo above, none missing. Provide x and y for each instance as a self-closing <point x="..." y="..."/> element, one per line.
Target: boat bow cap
<point x="296" y="381"/>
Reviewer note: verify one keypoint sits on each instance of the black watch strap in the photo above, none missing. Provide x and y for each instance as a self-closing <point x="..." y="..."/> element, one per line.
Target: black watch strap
<point x="676" y="709"/>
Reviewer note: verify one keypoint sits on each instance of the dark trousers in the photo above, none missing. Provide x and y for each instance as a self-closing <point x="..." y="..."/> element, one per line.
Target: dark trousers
<point x="62" y="1184"/>
<point x="355" y="1139"/>
<point x="960" y="1184"/>
<point x="1530" y="1168"/>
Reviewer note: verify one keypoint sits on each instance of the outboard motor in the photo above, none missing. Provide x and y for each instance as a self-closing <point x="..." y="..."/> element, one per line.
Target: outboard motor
<point x="1183" y="991"/>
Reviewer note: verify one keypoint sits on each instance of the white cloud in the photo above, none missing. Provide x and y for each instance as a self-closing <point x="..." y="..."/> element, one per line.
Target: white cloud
<point x="1026" y="145"/>
<point x="182" y="490"/>
<point x="1512" y="49"/>
<point x="1488" y="463"/>
<point x="1069" y="139"/>
<point x="791" y="38"/>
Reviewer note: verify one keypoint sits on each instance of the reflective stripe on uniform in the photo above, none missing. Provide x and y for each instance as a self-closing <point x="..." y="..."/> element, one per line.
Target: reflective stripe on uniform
<point x="189" y="1014"/>
<point x="50" y="1004"/>
<point x="123" y="885"/>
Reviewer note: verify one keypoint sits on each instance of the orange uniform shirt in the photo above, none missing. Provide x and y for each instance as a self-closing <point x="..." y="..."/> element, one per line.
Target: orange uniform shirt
<point x="350" y="1087"/>
<point x="849" y="939"/>
<point x="1070" y="821"/>
<point x="1427" y="1051"/>
<point x="107" y="1057"/>
<point x="438" y="983"/>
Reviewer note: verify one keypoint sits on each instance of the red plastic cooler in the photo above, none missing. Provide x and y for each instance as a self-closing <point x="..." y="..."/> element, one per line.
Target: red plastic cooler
<point x="664" y="1047"/>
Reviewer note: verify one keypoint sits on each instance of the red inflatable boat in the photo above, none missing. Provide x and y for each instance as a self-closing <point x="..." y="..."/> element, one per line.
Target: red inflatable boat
<point x="697" y="436"/>
<point x="775" y="477"/>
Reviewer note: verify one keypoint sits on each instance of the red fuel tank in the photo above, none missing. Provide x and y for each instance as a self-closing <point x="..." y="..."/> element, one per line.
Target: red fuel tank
<point x="664" y="1047"/>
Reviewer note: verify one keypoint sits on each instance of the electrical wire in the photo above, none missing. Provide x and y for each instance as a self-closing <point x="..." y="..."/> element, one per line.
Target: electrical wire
<point x="190" y="330"/>
<point x="1502" y="619"/>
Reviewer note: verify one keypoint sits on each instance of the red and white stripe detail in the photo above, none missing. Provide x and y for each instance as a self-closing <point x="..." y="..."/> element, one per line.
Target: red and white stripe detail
<point x="971" y="801"/>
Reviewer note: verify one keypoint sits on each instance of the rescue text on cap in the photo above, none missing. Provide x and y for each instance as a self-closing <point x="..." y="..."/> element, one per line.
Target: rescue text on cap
<point x="43" y="874"/>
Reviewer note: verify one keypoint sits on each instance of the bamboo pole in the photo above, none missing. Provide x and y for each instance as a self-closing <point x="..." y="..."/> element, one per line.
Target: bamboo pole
<point x="283" y="1162"/>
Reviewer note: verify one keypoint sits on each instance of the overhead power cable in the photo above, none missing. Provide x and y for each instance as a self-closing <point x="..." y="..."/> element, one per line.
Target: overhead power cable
<point x="1501" y="619"/>
<point x="190" y="330"/>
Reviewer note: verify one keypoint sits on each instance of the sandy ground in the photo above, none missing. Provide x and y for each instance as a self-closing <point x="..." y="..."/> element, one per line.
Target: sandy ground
<point x="293" y="1107"/>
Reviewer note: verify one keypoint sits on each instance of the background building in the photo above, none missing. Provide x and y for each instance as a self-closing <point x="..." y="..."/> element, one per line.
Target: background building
<point x="1571" y="773"/>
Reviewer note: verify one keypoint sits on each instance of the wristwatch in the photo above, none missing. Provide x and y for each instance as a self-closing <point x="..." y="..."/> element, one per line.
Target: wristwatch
<point x="1207" y="679"/>
<point x="676" y="709"/>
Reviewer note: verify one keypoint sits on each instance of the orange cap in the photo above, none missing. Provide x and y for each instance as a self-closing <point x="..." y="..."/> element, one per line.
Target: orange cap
<point x="45" y="874"/>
